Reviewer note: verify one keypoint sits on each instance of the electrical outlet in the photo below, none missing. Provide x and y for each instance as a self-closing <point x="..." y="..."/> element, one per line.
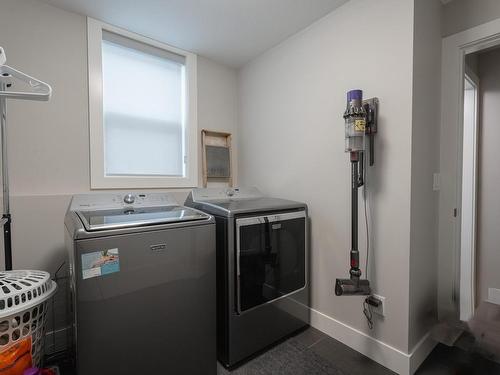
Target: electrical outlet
<point x="381" y="309"/>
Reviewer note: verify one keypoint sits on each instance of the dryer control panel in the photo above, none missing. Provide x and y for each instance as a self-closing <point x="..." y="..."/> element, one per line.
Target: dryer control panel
<point x="221" y="194"/>
<point x="83" y="202"/>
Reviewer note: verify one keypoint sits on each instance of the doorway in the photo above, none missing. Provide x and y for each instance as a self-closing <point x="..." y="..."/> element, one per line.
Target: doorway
<point x="460" y="169"/>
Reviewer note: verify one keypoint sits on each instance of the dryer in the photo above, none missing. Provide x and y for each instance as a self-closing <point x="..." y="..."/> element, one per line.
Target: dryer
<point x="262" y="269"/>
<point x="142" y="274"/>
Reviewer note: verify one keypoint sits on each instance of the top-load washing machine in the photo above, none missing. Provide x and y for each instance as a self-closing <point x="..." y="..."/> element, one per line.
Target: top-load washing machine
<point x="262" y="269"/>
<point x="142" y="274"/>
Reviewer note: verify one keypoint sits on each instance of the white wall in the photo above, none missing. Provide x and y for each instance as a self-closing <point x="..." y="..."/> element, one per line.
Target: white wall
<point x="488" y="235"/>
<point x="424" y="162"/>
<point x="460" y="15"/>
<point x="49" y="142"/>
<point x="217" y="105"/>
<point x="291" y="141"/>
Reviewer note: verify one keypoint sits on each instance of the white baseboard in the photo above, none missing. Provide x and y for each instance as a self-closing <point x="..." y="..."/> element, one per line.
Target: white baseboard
<point x="388" y="356"/>
<point x="494" y="296"/>
<point x="420" y="352"/>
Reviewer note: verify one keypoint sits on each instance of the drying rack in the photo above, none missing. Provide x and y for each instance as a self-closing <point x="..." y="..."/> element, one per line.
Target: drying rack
<point x="33" y="89"/>
<point x="217" y="157"/>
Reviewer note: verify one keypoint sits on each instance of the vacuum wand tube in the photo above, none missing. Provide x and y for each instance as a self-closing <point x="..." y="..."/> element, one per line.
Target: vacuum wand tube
<point x="356" y="129"/>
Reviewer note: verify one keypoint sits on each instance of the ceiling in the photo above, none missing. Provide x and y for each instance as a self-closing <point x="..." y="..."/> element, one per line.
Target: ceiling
<point x="231" y="32"/>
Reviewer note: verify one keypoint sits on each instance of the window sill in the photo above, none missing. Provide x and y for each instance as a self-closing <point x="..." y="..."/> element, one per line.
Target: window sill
<point x="142" y="182"/>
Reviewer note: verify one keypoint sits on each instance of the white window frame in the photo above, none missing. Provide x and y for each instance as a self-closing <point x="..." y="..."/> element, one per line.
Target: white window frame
<point x="98" y="177"/>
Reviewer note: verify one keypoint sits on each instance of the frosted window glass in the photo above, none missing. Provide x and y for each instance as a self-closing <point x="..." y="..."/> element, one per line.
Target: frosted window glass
<point x="143" y="103"/>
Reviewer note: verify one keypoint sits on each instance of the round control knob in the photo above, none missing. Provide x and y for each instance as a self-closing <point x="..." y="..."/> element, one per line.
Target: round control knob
<point x="129" y="198"/>
<point x="229" y="192"/>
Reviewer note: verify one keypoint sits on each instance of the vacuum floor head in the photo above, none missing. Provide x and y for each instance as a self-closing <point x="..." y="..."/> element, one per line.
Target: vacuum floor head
<point x="350" y="287"/>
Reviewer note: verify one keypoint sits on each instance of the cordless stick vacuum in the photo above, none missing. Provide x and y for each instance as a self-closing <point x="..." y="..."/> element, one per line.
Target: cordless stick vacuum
<point x="360" y="126"/>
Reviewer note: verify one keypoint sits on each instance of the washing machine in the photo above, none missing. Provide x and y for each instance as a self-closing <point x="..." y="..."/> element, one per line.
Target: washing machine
<point x="143" y="285"/>
<point x="262" y="269"/>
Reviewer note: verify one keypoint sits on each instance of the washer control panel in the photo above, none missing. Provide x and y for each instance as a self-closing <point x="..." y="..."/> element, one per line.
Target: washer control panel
<point x="129" y="198"/>
<point x="103" y="201"/>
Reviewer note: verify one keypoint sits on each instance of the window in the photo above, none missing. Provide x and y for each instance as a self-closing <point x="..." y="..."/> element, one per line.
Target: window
<point x="142" y="105"/>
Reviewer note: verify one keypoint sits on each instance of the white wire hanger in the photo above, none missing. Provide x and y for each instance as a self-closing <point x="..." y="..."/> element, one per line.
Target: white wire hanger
<point x="38" y="90"/>
<point x="13" y="85"/>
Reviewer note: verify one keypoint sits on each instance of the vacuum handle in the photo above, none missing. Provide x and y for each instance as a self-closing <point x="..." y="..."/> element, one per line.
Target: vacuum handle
<point x="371" y="144"/>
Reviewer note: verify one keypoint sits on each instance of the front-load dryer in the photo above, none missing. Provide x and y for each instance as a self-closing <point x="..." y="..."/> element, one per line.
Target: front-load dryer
<point x="262" y="269"/>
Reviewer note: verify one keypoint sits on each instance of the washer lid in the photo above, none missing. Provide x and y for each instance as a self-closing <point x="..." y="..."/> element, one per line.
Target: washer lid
<point x="134" y="217"/>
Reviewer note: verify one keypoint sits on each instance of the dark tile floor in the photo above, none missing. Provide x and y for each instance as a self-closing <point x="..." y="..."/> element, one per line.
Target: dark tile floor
<point x="461" y="359"/>
<point x="446" y="360"/>
<point x="311" y="352"/>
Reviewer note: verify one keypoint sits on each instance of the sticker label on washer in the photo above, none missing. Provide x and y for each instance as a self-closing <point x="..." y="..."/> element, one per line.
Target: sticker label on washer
<point x="100" y="263"/>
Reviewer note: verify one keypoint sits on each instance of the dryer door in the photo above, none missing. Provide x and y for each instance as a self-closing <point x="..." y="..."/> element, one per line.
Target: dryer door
<point x="270" y="258"/>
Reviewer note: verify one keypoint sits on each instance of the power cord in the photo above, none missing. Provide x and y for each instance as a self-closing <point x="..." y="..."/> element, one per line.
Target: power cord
<point x="367" y="310"/>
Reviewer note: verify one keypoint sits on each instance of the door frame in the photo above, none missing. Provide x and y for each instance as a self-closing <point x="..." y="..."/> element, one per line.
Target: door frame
<point x="455" y="283"/>
<point x="468" y="215"/>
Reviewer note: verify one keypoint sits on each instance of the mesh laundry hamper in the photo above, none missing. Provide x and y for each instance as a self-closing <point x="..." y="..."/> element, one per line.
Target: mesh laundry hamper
<point x="24" y="295"/>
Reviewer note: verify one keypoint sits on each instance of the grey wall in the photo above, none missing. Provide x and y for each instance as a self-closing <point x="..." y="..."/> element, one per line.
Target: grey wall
<point x="488" y="235"/>
<point x="460" y="15"/>
<point x="49" y="142"/>
<point x="291" y="139"/>
<point x="424" y="162"/>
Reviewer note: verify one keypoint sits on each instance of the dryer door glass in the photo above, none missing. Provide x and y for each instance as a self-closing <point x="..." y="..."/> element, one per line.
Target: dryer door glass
<point x="271" y="258"/>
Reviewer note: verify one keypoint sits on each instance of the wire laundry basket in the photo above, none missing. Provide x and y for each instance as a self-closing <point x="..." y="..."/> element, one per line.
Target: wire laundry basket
<point x="24" y="295"/>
